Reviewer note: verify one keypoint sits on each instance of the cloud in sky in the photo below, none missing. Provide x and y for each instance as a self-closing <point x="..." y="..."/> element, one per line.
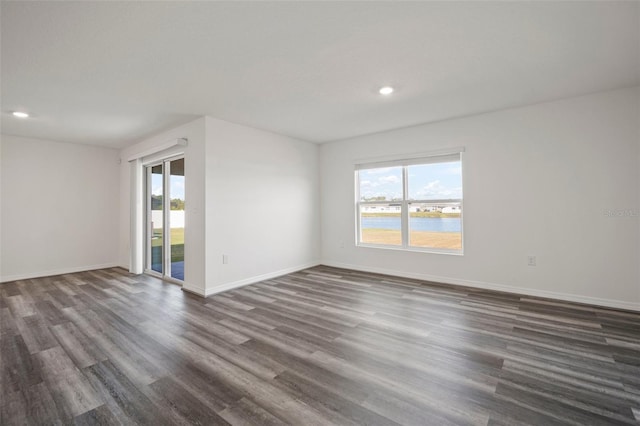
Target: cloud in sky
<point x="435" y="190"/>
<point x="454" y="170"/>
<point x="368" y="184"/>
<point x="435" y="181"/>
<point x="375" y="183"/>
<point x="389" y="179"/>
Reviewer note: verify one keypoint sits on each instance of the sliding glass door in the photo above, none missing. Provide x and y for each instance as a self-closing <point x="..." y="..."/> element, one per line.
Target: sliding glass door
<point x="165" y="218"/>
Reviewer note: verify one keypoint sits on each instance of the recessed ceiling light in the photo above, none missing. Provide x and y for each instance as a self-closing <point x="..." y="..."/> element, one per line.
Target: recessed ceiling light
<point x="20" y="114"/>
<point x="386" y="90"/>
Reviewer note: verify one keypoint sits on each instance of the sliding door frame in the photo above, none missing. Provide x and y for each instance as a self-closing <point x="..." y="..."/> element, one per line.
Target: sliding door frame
<point x="166" y="221"/>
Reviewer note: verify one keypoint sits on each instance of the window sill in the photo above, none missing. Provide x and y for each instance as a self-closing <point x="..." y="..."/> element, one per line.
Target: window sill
<point x="412" y="249"/>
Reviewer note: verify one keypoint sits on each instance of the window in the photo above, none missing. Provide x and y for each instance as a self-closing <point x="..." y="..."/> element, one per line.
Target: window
<point x="413" y="204"/>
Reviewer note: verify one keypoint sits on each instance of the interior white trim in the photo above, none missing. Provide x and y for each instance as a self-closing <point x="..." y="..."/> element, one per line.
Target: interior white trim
<point x="609" y="303"/>
<point x="136" y="221"/>
<point x="401" y="159"/>
<point x="594" y="301"/>
<point x="52" y="272"/>
<point x="190" y="288"/>
<point x="166" y="155"/>
<point x="250" y="280"/>
<point x="158" y="148"/>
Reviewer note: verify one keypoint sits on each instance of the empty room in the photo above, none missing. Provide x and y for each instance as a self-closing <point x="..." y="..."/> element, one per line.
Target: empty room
<point x="320" y="213"/>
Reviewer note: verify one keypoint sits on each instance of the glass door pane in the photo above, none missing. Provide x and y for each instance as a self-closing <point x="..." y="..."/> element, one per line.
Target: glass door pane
<point x="176" y="218"/>
<point x="156" y="218"/>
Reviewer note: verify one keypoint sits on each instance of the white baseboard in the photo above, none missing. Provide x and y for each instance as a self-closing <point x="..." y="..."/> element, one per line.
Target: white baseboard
<point x="609" y="303"/>
<point x="40" y="274"/>
<point x="193" y="289"/>
<point x="258" y="278"/>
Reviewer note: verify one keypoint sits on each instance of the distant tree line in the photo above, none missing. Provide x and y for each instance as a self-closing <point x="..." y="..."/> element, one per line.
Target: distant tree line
<point x="174" y="203"/>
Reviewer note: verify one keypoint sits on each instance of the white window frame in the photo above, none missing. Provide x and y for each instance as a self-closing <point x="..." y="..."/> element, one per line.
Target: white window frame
<point x="417" y="159"/>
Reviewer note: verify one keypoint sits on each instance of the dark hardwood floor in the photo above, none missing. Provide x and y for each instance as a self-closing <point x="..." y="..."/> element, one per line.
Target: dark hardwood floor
<point x="321" y="346"/>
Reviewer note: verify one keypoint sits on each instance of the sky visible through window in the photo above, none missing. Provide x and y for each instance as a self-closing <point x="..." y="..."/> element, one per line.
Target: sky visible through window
<point x="176" y="188"/>
<point x="438" y="181"/>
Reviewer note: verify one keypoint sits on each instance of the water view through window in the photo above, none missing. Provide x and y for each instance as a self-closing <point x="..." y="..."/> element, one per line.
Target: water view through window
<point x="426" y="198"/>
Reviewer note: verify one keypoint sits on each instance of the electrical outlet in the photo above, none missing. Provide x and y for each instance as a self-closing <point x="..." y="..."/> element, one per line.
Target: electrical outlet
<point x="225" y="259"/>
<point x="531" y="260"/>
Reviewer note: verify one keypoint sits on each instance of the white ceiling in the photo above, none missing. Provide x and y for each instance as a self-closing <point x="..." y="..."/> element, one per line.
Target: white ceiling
<point x="111" y="73"/>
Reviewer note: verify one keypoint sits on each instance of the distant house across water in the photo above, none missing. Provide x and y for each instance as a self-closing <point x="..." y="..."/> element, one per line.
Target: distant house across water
<point x="413" y="208"/>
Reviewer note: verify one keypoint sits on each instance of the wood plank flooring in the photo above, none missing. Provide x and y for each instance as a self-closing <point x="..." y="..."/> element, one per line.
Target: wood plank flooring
<point x="317" y="347"/>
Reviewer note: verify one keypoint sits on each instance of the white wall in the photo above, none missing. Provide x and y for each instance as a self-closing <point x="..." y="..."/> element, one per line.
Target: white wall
<point x="250" y="194"/>
<point x="263" y="208"/>
<point x="558" y="166"/>
<point x="194" y="154"/>
<point x="76" y="186"/>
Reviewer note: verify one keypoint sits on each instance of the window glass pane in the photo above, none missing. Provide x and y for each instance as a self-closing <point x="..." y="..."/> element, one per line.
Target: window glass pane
<point x="176" y="217"/>
<point x="381" y="224"/>
<point x="435" y="225"/>
<point x="383" y="184"/>
<point x="437" y="181"/>
<point x="157" y="224"/>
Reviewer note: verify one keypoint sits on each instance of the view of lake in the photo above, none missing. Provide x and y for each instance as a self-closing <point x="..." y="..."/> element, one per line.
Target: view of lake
<point x="433" y="224"/>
